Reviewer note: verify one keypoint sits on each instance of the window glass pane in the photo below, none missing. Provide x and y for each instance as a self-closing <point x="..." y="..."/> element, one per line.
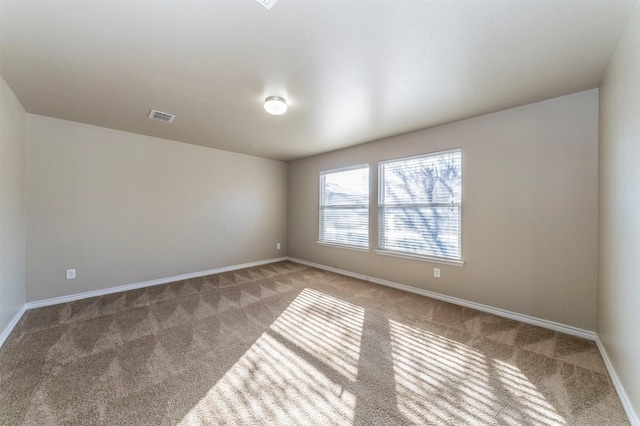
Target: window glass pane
<point x="430" y="231"/>
<point x="344" y="207"/>
<point x="347" y="187"/>
<point x="421" y="180"/>
<point x="346" y="226"/>
<point x="420" y="201"/>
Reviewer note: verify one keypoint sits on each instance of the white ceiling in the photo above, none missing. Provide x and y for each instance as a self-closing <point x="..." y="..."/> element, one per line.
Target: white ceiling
<point x="352" y="72"/>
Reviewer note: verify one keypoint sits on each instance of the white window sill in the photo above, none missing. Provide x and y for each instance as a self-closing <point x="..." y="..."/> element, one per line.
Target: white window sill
<point x="343" y="246"/>
<point x="459" y="263"/>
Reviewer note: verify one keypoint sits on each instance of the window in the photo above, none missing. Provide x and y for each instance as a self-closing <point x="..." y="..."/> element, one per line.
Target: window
<point x="420" y="202"/>
<point x="344" y="207"/>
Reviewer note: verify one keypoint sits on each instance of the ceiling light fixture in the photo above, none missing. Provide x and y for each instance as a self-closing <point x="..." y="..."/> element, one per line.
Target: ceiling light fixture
<point x="267" y="3"/>
<point x="275" y="105"/>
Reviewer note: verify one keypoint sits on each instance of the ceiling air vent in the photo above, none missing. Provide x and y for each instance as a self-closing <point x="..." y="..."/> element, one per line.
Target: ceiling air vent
<point x="162" y="116"/>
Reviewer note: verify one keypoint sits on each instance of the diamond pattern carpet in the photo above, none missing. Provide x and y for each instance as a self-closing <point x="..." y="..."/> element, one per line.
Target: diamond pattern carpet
<point x="289" y="344"/>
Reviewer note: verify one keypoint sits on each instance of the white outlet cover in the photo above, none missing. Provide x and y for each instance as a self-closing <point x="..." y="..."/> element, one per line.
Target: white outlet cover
<point x="71" y="274"/>
<point x="436" y="272"/>
<point x="278" y="246"/>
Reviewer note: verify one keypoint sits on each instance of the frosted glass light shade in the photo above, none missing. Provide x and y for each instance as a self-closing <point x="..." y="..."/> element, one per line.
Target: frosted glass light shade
<point x="275" y="105"/>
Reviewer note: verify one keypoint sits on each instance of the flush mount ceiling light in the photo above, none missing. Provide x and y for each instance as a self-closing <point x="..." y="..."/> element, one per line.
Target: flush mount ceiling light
<point x="275" y="105"/>
<point x="267" y="3"/>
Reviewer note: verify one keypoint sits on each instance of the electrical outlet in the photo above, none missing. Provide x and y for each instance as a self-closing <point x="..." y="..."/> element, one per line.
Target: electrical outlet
<point x="278" y="246"/>
<point x="436" y="272"/>
<point x="71" y="274"/>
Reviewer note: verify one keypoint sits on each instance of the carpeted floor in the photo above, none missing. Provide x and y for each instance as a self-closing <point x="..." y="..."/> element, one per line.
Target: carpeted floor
<point x="288" y="344"/>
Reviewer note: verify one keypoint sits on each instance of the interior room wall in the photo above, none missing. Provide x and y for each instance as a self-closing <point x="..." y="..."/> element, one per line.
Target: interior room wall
<point x="619" y="213"/>
<point x="12" y="206"/>
<point x="123" y="208"/>
<point x="529" y="212"/>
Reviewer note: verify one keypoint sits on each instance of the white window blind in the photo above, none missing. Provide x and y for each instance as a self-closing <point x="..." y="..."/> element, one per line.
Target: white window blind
<point x="419" y="205"/>
<point x="344" y="206"/>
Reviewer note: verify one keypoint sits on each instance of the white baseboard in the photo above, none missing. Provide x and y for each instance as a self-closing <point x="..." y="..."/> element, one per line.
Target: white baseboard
<point x="574" y="331"/>
<point x="126" y="287"/>
<point x="9" y="328"/>
<point x="622" y="394"/>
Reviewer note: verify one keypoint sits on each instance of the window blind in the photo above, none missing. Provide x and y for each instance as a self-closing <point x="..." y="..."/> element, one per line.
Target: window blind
<point x="419" y="205"/>
<point x="344" y="206"/>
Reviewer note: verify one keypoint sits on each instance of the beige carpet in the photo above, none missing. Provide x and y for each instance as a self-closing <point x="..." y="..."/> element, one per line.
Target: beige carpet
<point x="288" y="344"/>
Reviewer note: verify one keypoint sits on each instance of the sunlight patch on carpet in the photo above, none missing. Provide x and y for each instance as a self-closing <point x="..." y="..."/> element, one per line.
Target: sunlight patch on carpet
<point x="296" y="372"/>
<point x="532" y="402"/>
<point x="439" y="380"/>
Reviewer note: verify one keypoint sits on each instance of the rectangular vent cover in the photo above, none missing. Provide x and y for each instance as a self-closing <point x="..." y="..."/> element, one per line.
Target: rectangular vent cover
<point x="162" y="116"/>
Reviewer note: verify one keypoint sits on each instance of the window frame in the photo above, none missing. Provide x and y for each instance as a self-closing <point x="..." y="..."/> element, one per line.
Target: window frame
<point x="456" y="261"/>
<point x="322" y="207"/>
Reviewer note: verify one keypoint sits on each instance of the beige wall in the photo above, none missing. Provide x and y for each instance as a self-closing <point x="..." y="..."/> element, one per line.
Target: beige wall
<point x="619" y="214"/>
<point x="529" y="214"/>
<point x="12" y="205"/>
<point x="123" y="208"/>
